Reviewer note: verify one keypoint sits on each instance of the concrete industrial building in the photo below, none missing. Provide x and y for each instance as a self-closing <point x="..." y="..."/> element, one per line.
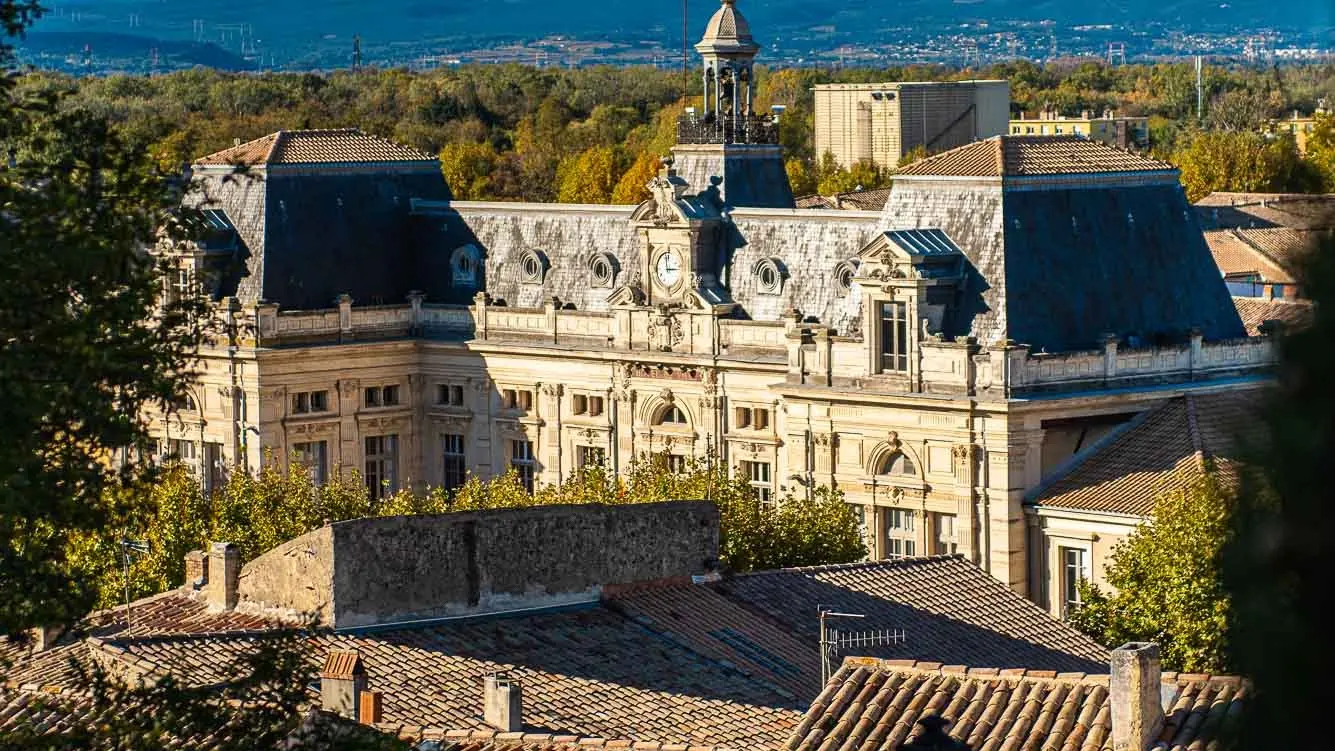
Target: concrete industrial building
<point x="1110" y="128"/>
<point x="1015" y="300"/>
<point x="881" y="122"/>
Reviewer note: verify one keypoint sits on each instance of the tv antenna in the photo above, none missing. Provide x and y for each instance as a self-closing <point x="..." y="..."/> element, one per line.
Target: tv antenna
<point x="130" y="548"/>
<point x="833" y="641"/>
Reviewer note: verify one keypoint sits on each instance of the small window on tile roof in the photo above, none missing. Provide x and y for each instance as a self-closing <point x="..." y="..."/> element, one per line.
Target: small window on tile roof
<point x="465" y="263"/>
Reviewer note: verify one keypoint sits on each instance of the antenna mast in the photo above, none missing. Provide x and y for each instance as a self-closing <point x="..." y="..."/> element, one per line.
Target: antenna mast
<point x="128" y="548"/>
<point x="831" y="641"/>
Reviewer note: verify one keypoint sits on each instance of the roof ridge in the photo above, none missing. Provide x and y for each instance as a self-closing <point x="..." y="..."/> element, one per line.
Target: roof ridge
<point x="1237" y="233"/>
<point x="985" y="673"/>
<point x="279" y="137"/>
<point x="887" y="563"/>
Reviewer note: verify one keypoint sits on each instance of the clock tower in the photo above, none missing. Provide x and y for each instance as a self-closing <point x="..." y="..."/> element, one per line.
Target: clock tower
<point x="680" y="240"/>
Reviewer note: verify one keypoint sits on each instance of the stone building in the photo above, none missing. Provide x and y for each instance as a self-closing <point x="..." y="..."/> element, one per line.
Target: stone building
<point x="883" y="122"/>
<point x="1015" y="299"/>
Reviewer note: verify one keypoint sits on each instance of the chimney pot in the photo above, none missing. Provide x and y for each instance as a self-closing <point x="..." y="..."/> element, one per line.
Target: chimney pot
<point x="1136" y="687"/>
<point x="225" y="566"/>
<point x="502" y="703"/>
<point x="196" y="569"/>
<point x="369" y="707"/>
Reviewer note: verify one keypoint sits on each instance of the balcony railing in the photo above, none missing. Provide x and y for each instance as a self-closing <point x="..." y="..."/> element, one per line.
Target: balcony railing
<point x="746" y="130"/>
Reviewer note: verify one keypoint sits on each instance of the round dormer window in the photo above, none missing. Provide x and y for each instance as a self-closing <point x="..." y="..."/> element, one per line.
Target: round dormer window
<point x="602" y="270"/>
<point x="769" y="276"/>
<point x="532" y="267"/>
<point x="843" y="275"/>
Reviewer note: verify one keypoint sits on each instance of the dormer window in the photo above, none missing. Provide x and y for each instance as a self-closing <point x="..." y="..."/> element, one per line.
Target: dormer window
<point x="602" y="270"/>
<point x="532" y="267"/>
<point x="769" y="276"/>
<point x="894" y="322"/>
<point x="465" y="265"/>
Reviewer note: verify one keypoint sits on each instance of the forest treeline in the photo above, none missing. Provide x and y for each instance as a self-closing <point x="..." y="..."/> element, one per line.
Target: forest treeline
<point x="594" y="135"/>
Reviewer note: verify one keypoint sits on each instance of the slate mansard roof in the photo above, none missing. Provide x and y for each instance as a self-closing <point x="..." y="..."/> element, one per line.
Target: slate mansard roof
<point x="1110" y="247"/>
<point x="874" y="705"/>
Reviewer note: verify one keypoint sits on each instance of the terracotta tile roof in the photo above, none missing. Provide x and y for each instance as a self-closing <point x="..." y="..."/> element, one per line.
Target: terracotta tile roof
<point x="1015" y="156"/>
<point x="863" y="200"/>
<point x="727" y="631"/>
<point x="950" y="610"/>
<point x="490" y="740"/>
<point x="1260" y="210"/>
<point x="1236" y="256"/>
<point x="875" y="705"/>
<point x="589" y="672"/>
<point x="813" y="201"/>
<point x="337" y="146"/>
<point x="1159" y="451"/>
<point x="1255" y="311"/>
<point x="1282" y="244"/>
<point x="342" y="664"/>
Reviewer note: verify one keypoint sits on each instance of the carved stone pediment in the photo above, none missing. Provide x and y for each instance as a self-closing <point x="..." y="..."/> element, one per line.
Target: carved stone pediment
<point x="626" y="295"/>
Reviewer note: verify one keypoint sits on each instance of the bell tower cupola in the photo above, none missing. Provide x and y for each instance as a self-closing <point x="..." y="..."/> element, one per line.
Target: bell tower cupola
<point x="724" y="145"/>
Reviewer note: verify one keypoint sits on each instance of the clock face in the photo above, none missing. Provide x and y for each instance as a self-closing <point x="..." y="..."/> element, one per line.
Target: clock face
<point x="668" y="269"/>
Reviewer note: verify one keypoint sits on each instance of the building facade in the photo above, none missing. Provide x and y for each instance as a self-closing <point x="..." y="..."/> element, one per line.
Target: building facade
<point x="934" y="361"/>
<point x="1110" y="128"/>
<point x="882" y="122"/>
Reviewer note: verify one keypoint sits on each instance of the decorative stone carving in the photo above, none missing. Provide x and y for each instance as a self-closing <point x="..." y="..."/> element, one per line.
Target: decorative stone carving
<point x="667" y="396"/>
<point x="709" y="380"/>
<point x="665" y="331"/>
<point x="892" y="439"/>
<point x="551" y="389"/>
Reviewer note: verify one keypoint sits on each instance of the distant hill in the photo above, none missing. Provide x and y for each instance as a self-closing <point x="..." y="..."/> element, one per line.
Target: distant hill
<point x="130" y="46"/>
<point x="293" y="28"/>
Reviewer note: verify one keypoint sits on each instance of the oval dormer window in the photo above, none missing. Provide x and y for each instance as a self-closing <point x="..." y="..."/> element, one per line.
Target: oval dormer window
<point x="532" y="267"/>
<point x="465" y="266"/>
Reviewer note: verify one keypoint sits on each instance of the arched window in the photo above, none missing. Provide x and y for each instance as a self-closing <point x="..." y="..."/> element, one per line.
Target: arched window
<point x="672" y="416"/>
<point x="898" y="463"/>
<point x="465" y="265"/>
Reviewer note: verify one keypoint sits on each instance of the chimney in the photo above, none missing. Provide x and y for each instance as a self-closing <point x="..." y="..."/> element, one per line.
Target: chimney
<point x="236" y="141"/>
<point x="1136" y="696"/>
<point x="45" y="637"/>
<point x="196" y="569"/>
<point x="225" y="566"/>
<point x="342" y="681"/>
<point x="502" y="703"/>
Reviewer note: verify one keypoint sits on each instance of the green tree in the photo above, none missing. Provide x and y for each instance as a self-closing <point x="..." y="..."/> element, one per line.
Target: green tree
<point x="1166" y="575"/>
<point x="87" y="340"/>
<point x="1239" y="161"/>
<point x="801" y="177"/>
<point x="1277" y="565"/>
<point x="1321" y="150"/>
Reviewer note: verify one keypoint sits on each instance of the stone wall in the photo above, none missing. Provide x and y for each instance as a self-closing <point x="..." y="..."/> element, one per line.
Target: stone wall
<point x="373" y="571"/>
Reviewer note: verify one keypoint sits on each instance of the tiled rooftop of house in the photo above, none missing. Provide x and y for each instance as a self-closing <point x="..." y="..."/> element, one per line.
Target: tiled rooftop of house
<point x="874" y="705"/>
<point x="1235" y="256"/>
<point x="1160" y="451"/>
<point x="1016" y="156"/>
<point x="1262" y="210"/>
<point x="335" y="146"/>
<point x="1255" y="311"/>
<point x="950" y="610"/>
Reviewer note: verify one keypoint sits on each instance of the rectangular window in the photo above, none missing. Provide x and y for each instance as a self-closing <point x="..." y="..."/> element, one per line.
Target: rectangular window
<point x="382" y="464"/>
<point x="743" y="418"/>
<point x="213" y="468"/>
<point x="526" y="400"/>
<point x="760" y="419"/>
<point x="373" y="396"/>
<point x="510" y="399"/>
<point x="443" y="394"/>
<point x="389" y="396"/>
<point x="946" y="541"/>
<point x="589" y="457"/>
<point x="304" y="402"/>
<point x="453" y="469"/>
<point x="1074" y="570"/>
<point x="457" y="395"/>
<point x="894" y="337"/>
<point x="901" y="538"/>
<point x="314" y="456"/>
<point x="579" y="404"/>
<point x="758" y="477"/>
<point x="521" y="459"/>
<point x="181" y="449"/>
<point x="595" y="406"/>
<point x="676" y="463"/>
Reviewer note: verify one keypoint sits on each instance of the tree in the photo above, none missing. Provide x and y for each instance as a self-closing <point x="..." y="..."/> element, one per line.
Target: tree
<point x="467" y="169"/>
<point x="800" y="177"/>
<point x="1240" y="161"/>
<point x="632" y="188"/>
<point x="87" y="339"/>
<point x="1166" y="574"/>
<point x="1321" y="150"/>
<point x="1277" y="566"/>
<point x="588" y="177"/>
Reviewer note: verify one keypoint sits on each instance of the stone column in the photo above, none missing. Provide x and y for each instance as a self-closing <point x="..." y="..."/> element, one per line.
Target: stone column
<point x="549" y="441"/>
